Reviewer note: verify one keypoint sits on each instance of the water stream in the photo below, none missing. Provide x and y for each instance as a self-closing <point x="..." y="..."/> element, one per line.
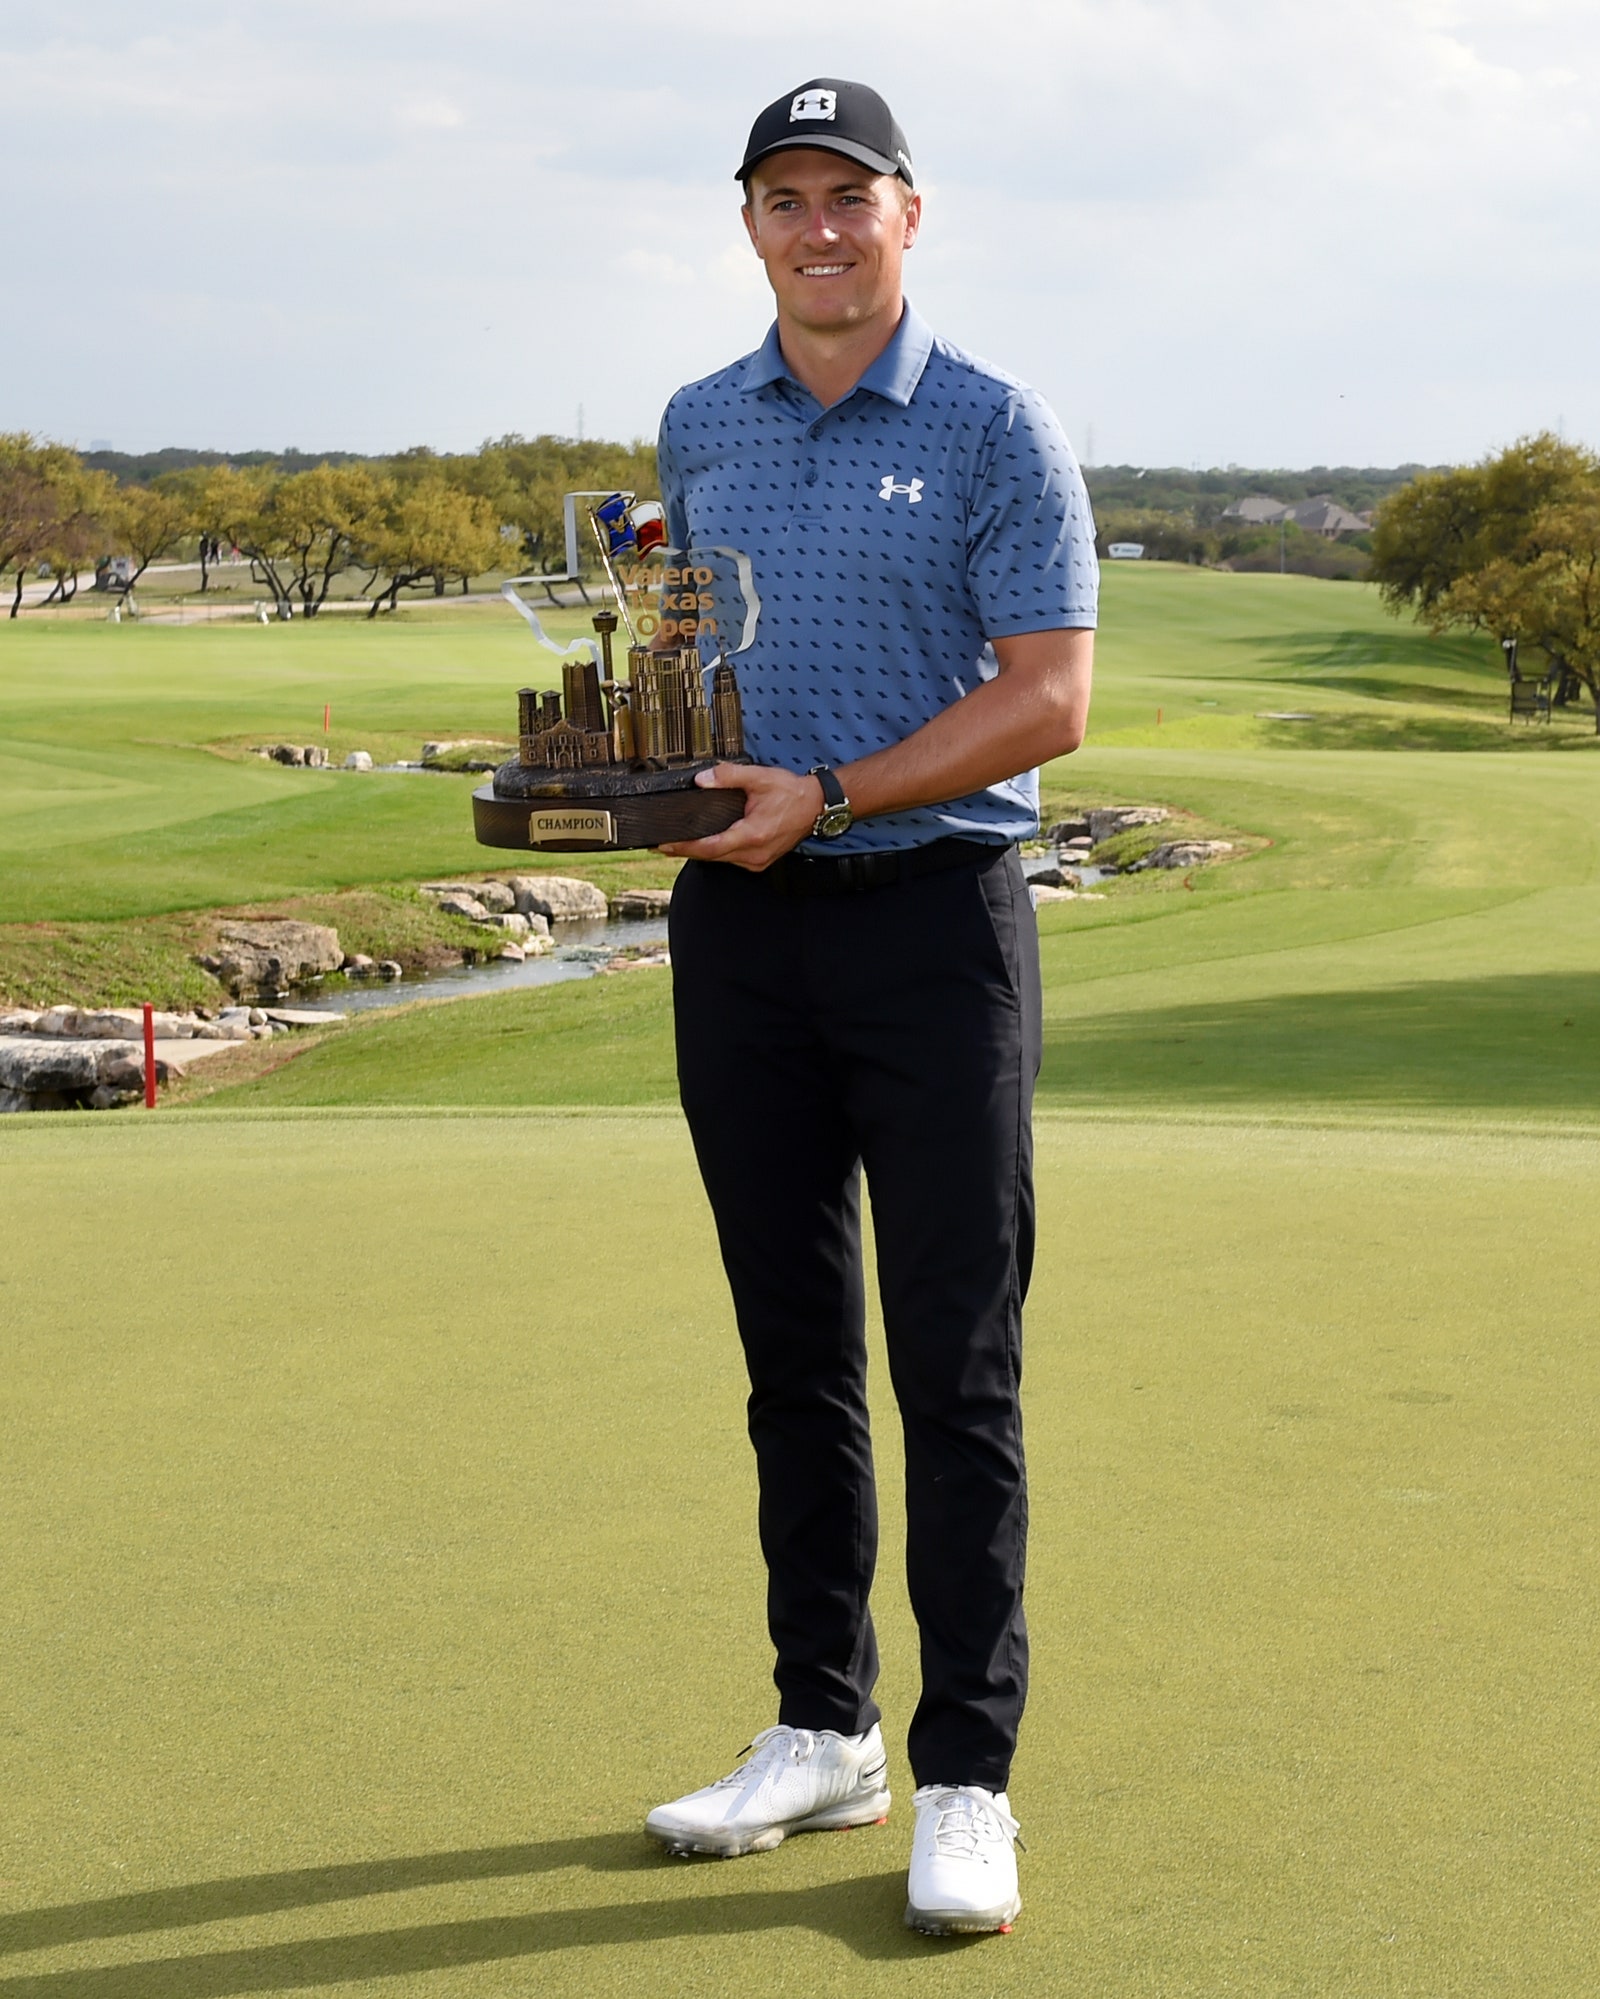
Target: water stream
<point x="580" y="949"/>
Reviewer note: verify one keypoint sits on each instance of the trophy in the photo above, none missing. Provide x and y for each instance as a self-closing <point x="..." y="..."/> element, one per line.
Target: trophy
<point x="605" y="763"/>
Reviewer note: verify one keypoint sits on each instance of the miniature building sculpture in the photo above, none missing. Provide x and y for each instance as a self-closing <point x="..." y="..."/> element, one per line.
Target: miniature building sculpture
<point x="656" y="720"/>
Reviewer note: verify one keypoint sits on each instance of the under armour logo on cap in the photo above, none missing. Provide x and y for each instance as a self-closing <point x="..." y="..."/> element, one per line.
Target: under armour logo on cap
<point x="888" y="487"/>
<point x="814" y="104"/>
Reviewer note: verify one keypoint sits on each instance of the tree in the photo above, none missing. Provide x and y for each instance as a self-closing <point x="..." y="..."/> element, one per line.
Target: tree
<point x="52" y="510"/>
<point x="1545" y="593"/>
<point x="1445" y="526"/>
<point x="27" y="510"/>
<point x="433" y="532"/>
<point x="149" y="522"/>
<point x="299" y="531"/>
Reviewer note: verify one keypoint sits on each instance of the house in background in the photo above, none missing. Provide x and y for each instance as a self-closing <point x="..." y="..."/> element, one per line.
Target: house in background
<point x="1321" y="514"/>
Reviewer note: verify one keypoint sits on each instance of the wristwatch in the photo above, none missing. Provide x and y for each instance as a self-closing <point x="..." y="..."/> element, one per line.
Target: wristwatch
<point x="835" y="817"/>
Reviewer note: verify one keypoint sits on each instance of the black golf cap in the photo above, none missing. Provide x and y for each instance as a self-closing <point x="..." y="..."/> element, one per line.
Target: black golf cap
<point x="835" y="117"/>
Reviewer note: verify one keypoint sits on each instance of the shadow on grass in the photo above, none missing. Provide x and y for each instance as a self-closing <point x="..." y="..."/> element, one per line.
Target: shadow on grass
<point x="1504" y="1044"/>
<point x="864" y="1914"/>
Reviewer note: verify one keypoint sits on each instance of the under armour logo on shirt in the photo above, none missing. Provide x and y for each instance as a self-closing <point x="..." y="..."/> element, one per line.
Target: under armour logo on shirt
<point x="814" y="104"/>
<point x="889" y="486"/>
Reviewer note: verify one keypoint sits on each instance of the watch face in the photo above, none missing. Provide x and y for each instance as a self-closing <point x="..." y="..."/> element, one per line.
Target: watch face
<point x="833" y="821"/>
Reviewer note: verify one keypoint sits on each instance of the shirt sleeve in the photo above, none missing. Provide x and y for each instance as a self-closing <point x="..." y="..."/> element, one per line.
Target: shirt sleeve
<point x="1031" y="565"/>
<point x="671" y="483"/>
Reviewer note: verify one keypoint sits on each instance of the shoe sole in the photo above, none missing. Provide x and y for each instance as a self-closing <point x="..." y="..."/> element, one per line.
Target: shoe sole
<point x="963" y="1922"/>
<point x="838" y="1818"/>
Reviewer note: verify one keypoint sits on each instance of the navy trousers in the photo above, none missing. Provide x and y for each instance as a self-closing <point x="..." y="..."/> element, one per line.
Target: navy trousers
<point x="895" y="1030"/>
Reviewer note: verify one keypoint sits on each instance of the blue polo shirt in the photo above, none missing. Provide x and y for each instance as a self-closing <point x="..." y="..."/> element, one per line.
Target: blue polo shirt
<point x="891" y="538"/>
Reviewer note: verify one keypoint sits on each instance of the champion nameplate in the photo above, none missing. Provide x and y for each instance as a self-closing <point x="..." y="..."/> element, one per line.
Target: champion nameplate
<point x="569" y="823"/>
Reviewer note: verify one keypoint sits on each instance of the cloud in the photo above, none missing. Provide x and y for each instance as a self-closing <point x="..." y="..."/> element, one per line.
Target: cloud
<point x="1215" y="232"/>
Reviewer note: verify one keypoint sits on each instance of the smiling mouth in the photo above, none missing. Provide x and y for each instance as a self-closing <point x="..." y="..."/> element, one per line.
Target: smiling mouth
<point x="823" y="270"/>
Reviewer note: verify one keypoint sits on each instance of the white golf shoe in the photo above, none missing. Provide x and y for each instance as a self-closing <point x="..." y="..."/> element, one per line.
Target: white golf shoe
<point x="793" y="1780"/>
<point x="963" y="1861"/>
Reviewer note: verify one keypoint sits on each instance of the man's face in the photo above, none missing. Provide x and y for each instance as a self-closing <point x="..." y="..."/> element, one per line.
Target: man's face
<point x="832" y="235"/>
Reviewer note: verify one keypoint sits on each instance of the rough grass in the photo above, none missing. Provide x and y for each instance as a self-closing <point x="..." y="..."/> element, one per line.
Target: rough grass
<point x="152" y="957"/>
<point x="380" y="1539"/>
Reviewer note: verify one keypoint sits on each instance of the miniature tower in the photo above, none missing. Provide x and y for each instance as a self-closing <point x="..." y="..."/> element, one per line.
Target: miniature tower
<point x="581" y="684"/>
<point x="727" y="713"/>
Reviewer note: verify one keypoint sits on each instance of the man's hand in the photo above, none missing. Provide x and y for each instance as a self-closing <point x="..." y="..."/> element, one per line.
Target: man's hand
<point x="780" y="810"/>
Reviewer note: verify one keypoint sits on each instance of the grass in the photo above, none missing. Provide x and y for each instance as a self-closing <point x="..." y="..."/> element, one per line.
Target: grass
<point x="380" y="1547"/>
<point x="1413" y="934"/>
<point x="126" y="789"/>
<point x="380" y="1527"/>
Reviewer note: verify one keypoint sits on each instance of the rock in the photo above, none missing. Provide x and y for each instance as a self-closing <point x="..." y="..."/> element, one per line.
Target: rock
<point x="119" y="1069"/>
<point x="1079" y="845"/>
<point x="1047" y="878"/>
<point x="254" y="1017"/>
<point x="315" y="756"/>
<point x="301" y="1016"/>
<point x="17" y="1019"/>
<point x="268" y="957"/>
<point x="636" y="905"/>
<point x="1104" y="825"/>
<point x="513" y="924"/>
<point x="389" y="968"/>
<point x="1184" y="854"/>
<point x="497" y="897"/>
<point x="285" y="753"/>
<point x="1066" y="830"/>
<point x="512" y="953"/>
<point x="125" y="1023"/>
<point x="44" y="1066"/>
<point x="358" y="760"/>
<point x="104" y="1098"/>
<point x="38" y="1100"/>
<point x="558" y="898"/>
<point x="359" y="966"/>
<point x="458" y="904"/>
<point x="1049" y="894"/>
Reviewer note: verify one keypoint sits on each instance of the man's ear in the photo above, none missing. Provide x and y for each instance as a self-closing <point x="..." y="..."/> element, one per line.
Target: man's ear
<point x="913" y="220"/>
<point x="748" y="213"/>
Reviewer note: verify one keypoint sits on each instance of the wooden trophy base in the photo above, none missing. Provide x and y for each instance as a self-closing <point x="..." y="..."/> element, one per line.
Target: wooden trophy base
<point x="604" y="810"/>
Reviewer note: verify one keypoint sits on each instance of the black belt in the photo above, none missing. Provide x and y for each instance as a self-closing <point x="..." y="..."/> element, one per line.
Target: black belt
<point x="854" y="874"/>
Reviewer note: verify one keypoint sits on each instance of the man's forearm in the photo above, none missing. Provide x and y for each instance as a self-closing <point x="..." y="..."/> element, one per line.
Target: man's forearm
<point x="1034" y="709"/>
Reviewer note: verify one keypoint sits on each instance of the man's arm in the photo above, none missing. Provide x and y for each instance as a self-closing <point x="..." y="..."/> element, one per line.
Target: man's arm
<point x="1034" y="709"/>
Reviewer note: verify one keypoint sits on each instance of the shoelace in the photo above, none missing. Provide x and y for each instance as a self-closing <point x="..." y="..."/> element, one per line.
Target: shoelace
<point x="965" y="1821"/>
<point x="772" y="1745"/>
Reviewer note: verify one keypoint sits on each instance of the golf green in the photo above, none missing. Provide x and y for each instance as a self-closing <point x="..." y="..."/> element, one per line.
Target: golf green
<point x="380" y="1546"/>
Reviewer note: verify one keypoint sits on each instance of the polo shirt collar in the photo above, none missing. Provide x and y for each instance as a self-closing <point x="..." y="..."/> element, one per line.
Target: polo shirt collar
<point x="894" y="375"/>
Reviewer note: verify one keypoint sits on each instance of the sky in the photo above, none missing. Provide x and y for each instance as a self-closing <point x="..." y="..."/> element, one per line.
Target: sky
<point x="1213" y="232"/>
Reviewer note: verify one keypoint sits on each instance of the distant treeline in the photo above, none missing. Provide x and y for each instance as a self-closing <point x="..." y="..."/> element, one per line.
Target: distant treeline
<point x="1203" y="496"/>
<point x="416" y="520"/>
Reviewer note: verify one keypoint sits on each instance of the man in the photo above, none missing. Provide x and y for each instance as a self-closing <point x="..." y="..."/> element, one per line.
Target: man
<point x="856" y="980"/>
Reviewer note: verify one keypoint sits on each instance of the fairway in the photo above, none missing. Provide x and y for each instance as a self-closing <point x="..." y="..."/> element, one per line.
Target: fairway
<point x="379" y="1554"/>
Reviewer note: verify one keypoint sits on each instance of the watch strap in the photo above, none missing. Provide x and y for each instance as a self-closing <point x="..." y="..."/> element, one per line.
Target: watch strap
<point x="832" y="789"/>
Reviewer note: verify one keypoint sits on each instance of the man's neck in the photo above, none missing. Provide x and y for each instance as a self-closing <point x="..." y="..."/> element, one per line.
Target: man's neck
<point x="830" y="363"/>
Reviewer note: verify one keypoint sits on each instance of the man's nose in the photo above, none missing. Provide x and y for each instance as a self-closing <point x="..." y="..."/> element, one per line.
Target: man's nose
<point x="819" y="229"/>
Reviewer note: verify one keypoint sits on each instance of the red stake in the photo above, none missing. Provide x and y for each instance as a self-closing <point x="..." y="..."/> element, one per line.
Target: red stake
<point x="327" y="714"/>
<point x="149" y="1056"/>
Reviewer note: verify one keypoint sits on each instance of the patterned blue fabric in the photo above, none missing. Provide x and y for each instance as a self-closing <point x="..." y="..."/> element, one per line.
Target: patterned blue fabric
<point x="937" y="507"/>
